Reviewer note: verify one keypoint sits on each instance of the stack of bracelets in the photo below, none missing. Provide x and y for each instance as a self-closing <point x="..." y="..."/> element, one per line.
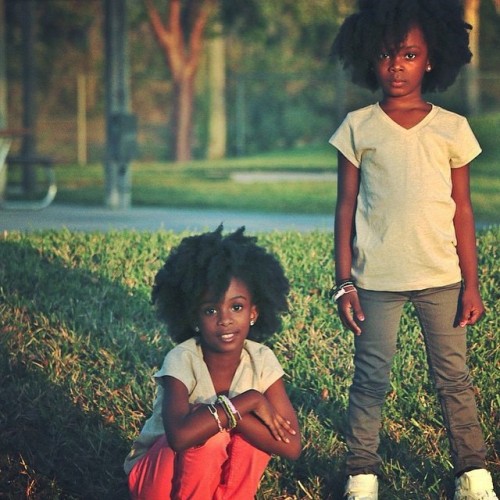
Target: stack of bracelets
<point x="345" y="286"/>
<point x="233" y="415"/>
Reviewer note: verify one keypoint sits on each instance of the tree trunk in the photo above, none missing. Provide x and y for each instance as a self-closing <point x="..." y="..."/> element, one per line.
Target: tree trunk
<point x="182" y="53"/>
<point x="217" y="123"/>
<point x="472" y="83"/>
<point x="184" y="96"/>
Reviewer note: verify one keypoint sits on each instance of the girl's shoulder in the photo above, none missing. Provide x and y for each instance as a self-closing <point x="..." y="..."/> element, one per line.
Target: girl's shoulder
<point x="181" y="359"/>
<point x="190" y="347"/>
<point x="362" y="112"/>
<point x="254" y="346"/>
<point x="365" y="115"/>
<point x="256" y="350"/>
<point x="447" y="115"/>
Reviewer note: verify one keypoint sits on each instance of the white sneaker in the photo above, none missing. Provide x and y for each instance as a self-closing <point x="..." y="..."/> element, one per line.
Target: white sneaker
<point x="362" y="487"/>
<point x="474" y="485"/>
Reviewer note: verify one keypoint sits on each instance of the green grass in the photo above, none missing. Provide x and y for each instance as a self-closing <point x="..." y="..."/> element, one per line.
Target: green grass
<point x="207" y="184"/>
<point x="79" y="344"/>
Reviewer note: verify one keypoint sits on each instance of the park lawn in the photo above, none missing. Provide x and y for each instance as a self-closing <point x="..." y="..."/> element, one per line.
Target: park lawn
<point x="208" y="184"/>
<point x="79" y="344"/>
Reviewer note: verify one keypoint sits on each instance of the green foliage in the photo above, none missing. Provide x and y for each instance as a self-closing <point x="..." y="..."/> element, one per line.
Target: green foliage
<point x="79" y="344"/>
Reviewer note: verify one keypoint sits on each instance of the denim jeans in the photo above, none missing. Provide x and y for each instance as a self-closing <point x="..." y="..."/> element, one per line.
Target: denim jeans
<point x="437" y="310"/>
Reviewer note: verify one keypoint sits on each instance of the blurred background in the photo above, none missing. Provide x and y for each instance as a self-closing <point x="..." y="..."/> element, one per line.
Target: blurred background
<point x="248" y="76"/>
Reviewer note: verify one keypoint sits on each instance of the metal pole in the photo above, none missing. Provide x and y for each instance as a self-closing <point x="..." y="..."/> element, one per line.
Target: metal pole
<point x="28" y="147"/>
<point x="82" y="119"/>
<point x="117" y="172"/>
<point x="3" y="97"/>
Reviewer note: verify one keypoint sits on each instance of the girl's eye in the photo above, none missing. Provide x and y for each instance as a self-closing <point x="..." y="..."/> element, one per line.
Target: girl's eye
<point x="411" y="56"/>
<point x="210" y="311"/>
<point x="237" y="307"/>
<point x="383" y="55"/>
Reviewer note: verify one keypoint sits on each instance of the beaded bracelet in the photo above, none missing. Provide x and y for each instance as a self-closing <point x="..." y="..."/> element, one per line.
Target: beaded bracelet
<point x="213" y="410"/>
<point x="233" y="415"/>
<point x="346" y="286"/>
<point x="231" y="419"/>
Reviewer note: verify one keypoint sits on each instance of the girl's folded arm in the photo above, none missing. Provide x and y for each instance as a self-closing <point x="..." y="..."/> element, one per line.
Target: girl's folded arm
<point x="255" y="426"/>
<point x="185" y="426"/>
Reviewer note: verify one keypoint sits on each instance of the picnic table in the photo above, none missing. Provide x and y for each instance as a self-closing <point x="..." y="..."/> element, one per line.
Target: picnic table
<point x="6" y="138"/>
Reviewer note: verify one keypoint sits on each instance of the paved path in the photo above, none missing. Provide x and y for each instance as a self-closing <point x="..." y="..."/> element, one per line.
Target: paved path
<point x="81" y="218"/>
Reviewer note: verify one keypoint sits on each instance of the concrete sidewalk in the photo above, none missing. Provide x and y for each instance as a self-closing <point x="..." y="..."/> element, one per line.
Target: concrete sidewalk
<point x="83" y="218"/>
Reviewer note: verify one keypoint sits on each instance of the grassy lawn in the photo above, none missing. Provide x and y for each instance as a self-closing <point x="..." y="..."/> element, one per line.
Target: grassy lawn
<point x="79" y="344"/>
<point x="208" y="184"/>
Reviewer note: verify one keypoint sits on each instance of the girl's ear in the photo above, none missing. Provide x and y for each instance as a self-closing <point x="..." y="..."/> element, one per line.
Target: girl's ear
<point x="429" y="65"/>
<point x="254" y="314"/>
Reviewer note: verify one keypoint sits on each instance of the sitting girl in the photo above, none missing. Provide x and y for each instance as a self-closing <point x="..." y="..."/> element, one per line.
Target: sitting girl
<point x="221" y="409"/>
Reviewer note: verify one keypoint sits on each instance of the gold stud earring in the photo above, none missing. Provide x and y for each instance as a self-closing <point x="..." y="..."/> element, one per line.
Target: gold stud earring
<point x="252" y="322"/>
<point x="429" y="67"/>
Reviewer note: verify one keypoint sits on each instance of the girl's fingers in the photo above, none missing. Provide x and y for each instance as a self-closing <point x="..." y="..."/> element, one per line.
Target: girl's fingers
<point x="280" y="428"/>
<point x="350" y="309"/>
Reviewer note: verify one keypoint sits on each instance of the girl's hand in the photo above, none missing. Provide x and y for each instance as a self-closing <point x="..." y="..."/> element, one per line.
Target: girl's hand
<point x="278" y="425"/>
<point x="269" y="421"/>
<point x="472" y="308"/>
<point x="350" y="312"/>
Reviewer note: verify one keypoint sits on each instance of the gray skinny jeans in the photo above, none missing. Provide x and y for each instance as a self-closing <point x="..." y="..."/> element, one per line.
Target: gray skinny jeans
<point x="437" y="310"/>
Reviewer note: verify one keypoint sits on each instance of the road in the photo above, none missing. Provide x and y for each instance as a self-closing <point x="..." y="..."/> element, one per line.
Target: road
<point x="83" y="218"/>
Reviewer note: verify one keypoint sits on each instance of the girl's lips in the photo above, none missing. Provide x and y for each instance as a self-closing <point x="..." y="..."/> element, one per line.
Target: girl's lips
<point x="397" y="83"/>
<point x="227" y="337"/>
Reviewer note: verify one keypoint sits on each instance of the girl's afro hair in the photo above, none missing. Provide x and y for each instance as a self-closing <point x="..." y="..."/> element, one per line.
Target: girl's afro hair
<point x="208" y="262"/>
<point x="385" y="23"/>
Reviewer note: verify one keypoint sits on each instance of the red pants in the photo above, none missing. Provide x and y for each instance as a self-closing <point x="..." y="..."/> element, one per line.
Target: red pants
<point x="226" y="467"/>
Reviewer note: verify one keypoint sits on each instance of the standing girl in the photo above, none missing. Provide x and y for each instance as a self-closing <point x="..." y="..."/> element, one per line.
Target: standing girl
<point x="404" y="227"/>
<point x="221" y="409"/>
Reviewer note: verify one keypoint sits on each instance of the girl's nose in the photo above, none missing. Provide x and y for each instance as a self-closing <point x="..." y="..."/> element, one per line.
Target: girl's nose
<point x="395" y="64"/>
<point x="224" y="318"/>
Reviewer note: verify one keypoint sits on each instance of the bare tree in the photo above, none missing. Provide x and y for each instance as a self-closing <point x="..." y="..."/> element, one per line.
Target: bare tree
<point x="181" y="39"/>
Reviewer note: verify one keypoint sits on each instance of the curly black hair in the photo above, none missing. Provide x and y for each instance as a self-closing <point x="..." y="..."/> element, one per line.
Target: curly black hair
<point x="208" y="262"/>
<point x="385" y="23"/>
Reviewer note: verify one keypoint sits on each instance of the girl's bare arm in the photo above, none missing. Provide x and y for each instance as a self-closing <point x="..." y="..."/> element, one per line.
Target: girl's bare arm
<point x="472" y="307"/>
<point x="264" y="420"/>
<point x="255" y="426"/>
<point x="185" y="426"/>
<point x="347" y="193"/>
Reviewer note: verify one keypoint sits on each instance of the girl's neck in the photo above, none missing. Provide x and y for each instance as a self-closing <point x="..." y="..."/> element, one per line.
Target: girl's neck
<point x="222" y="368"/>
<point x="389" y="103"/>
<point x="405" y="112"/>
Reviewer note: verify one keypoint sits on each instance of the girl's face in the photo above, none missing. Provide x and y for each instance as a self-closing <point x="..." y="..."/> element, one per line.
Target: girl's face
<point x="400" y="71"/>
<point x="224" y="324"/>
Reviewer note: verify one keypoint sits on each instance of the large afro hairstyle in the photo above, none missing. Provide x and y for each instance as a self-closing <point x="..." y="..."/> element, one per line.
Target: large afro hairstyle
<point x="207" y="263"/>
<point x="385" y="23"/>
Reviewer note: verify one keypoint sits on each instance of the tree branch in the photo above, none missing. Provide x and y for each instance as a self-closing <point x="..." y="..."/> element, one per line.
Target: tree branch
<point x="196" y="36"/>
<point x="159" y="30"/>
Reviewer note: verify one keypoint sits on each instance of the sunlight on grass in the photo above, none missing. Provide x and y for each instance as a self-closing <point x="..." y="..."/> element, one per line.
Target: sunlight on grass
<point x="79" y="344"/>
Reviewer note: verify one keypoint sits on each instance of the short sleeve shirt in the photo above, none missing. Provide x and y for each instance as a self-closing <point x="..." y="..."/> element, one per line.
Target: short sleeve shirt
<point x="258" y="369"/>
<point x="404" y="233"/>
